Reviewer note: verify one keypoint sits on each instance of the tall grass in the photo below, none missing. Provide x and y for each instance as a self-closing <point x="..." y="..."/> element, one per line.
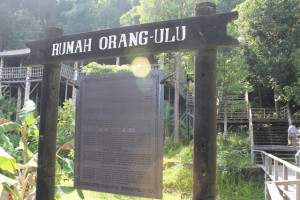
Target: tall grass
<point x="233" y="154"/>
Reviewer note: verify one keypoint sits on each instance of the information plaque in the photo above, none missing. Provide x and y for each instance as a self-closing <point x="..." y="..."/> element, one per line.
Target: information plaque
<point x="119" y="134"/>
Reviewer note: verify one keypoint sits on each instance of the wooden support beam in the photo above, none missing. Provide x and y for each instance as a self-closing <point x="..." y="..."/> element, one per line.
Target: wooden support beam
<point x="205" y="118"/>
<point x="276" y="170"/>
<point x="27" y="85"/>
<point x="285" y="182"/>
<point x="48" y="127"/>
<point x="270" y="165"/>
<point x="285" y="176"/>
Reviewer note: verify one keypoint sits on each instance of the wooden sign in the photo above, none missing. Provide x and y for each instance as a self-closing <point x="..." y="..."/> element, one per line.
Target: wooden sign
<point x="119" y="134"/>
<point x="175" y="35"/>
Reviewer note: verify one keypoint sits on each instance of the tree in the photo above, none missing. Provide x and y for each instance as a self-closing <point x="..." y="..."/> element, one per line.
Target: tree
<point x="293" y="90"/>
<point x="231" y="80"/>
<point x="270" y="33"/>
<point x="161" y="10"/>
<point x="17" y="27"/>
<point x="231" y="69"/>
<point x="74" y="16"/>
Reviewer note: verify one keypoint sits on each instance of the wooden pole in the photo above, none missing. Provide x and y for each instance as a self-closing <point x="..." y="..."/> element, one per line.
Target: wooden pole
<point x="74" y="90"/>
<point x="48" y="126"/>
<point x="1" y="67"/>
<point x="66" y="90"/>
<point x="27" y="85"/>
<point x="205" y="120"/>
<point x="19" y="101"/>
<point x="176" y="98"/>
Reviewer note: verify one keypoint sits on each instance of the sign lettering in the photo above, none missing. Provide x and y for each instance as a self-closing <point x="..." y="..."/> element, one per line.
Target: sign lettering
<point x="175" y="35"/>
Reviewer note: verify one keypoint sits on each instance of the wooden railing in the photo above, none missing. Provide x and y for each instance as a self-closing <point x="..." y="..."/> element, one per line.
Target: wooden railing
<point x="13" y="73"/>
<point x="284" y="176"/>
<point x="269" y="113"/>
<point x="19" y="73"/>
<point x="237" y="114"/>
<point x="263" y="113"/>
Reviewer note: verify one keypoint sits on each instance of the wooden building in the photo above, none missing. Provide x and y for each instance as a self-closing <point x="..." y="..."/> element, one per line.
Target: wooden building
<point x="24" y="83"/>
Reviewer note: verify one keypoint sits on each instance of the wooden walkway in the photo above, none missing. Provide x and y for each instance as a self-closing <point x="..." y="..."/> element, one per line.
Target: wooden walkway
<point x="284" y="177"/>
<point x="290" y="190"/>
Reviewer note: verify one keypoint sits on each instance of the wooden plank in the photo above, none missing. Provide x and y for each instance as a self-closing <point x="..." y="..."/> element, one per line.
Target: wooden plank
<point x="273" y="191"/>
<point x="270" y="165"/>
<point x="274" y="147"/>
<point x="298" y="186"/>
<point x="276" y="170"/>
<point x="285" y="182"/>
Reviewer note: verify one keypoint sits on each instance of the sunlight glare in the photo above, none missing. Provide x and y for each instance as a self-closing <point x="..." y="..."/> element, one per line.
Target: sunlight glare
<point x="141" y="67"/>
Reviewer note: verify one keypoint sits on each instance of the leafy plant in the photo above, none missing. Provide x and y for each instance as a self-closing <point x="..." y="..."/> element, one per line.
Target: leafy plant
<point x="67" y="170"/>
<point x="7" y="107"/>
<point x="17" y="180"/>
<point x="66" y="125"/>
<point x="95" y="68"/>
<point x="27" y="127"/>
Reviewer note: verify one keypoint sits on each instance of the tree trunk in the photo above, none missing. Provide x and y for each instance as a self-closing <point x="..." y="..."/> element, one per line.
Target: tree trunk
<point x="25" y="150"/>
<point x="176" y="103"/>
<point x="289" y="114"/>
<point x="19" y="102"/>
<point x="74" y="88"/>
<point x="276" y="102"/>
<point x="259" y="95"/>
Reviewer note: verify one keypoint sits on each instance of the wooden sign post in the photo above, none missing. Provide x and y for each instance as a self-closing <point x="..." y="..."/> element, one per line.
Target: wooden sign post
<point x="205" y="117"/>
<point x="203" y="33"/>
<point x="48" y="126"/>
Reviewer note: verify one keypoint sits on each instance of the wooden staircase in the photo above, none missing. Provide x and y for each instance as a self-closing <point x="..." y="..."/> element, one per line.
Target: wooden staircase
<point x="272" y="133"/>
<point x="236" y="114"/>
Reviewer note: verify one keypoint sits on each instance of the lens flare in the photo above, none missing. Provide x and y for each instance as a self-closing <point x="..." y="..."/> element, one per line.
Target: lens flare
<point x="141" y="67"/>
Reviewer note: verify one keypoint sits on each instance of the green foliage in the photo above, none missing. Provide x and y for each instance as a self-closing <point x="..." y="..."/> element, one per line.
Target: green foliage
<point x="235" y="140"/>
<point x="17" y="27"/>
<point x="178" y="178"/>
<point x="231" y="187"/>
<point x="7" y="107"/>
<point x="177" y="174"/>
<point x="66" y="124"/>
<point x="27" y="128"/>
<point x="95" y="68"/>
<point x="233" y="154"/>
<point x="270" y="33"/>
<point x="7" y="162"/>
<point x="67" y="170"/>
<point x="293" y="91"/>
<point x="10" y="172"/>
<point x="102" y="14"/>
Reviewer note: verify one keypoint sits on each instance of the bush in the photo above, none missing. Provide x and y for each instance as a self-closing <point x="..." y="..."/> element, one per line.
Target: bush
<point x="65" y="126"/>
<point x="7" y="107"/>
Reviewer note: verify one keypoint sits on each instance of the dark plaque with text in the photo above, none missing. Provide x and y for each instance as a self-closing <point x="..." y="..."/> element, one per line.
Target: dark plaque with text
<point x="119" y="128"/>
